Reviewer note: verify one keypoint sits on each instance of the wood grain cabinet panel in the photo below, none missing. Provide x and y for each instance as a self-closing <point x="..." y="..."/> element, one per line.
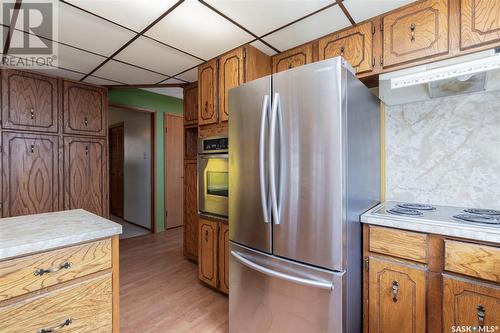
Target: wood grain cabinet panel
<point x="470" y="303"/>
<point x="80" y="308"/>
<point x="190" y="210"/>
<point x="27" y="274"/>
<point x="191" y="104"/>
<point x="30" y="173"/>
<point x="85" y="109"/>
<point x="207" y="257"/>
<point x="355" y="45"/>
<point x="398" y="243"/>
<point x="397" y="297"/>
<point x="231" y="74"/>
<point x="207" y="90"/>
<point x="85" y="176"/>
<point x="293" y="58"/>
<point x="29" y="101"/>
<point x="416" y="32"/>
<point x="479" y="23"/>
<point x="224" y="257"/>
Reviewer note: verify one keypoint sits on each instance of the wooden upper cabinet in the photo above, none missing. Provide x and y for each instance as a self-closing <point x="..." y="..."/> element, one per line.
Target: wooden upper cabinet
<point x="397" y="297"/>
<point x="30" y="101"/>
<point x="191" y="104"/>
<point x="479" y="23"/>
<point x="207" y="257"/>
<point x="298" y="56"/>
<point x="30" y="174"/>
<point x="224" y="257"/>
<point x="231" y="74"/>
<point x="355" y="45"/>
<point x="470" y="303"/>
<point x="85" y="177"/>
<point x="85" y="109"/>
<point x="416" y="32"/>
<point x="207" y="88"/>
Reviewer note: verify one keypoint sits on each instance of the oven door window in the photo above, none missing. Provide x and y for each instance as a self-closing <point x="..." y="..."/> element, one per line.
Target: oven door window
<point x="217" y="183"/>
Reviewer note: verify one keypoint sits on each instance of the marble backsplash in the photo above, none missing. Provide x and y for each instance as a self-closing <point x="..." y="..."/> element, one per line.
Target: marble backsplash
<point x="445" y="151"/>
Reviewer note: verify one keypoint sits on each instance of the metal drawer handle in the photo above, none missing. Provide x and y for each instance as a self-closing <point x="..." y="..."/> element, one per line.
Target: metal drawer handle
<point x="206" y="107"/>
<point x="342" y="49"/>
<point x="481" y="313"/>
<point x="86" y="150"/>
<point x="67" y="322"/>
<point x="41" y="271"/>
<point x="86" y="121"/>
<point x="413" y="27"/>
<point x="395" y="290"/>
<point x="206" y="235"/>
<point x="32" y="148"/>
<point x="32" y="114"/>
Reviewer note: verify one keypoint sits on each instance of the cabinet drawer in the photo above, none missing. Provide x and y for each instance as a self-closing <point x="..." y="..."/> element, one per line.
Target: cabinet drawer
<point x="398" y="243"/>
<point x="475" y="260"/>
<point x="23" y="275"/>
<point x="83" y="307"/>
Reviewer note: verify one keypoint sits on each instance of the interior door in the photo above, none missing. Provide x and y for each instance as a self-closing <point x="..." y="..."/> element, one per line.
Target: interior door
<point x="307" y="189"/>
<point x="116" y="160"/>
<point x="249" y="217"/>
<point x="174" y="170"/>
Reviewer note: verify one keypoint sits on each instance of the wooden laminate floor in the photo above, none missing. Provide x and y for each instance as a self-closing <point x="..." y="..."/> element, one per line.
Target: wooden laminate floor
<point x="160" y="290"/>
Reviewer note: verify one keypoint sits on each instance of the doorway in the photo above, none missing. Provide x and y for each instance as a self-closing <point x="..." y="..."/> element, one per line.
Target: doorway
<point x="174" y="170"/>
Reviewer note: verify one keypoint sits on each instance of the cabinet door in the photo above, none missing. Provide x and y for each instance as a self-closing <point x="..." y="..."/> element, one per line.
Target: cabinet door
<point x="30" y="101"/>
<point x="479" y="23"/>
<point x="31" y="174"/>
<point x="224" y="258"/>
<point x="190" y="211"/>
<point x="355" y="45"/>
<point x="396" y="291"/>
<point x="85" y="175"/>
<point x="293" y="58"/>
<point x="85" y="109"/>
<point x="191" y="105"/>
<point x="207" y="86"/>
<point x="470" y="303"/>
<point x="416" y="32"/>
<point x="231" y="74"/>
<point x="207" y="258"/>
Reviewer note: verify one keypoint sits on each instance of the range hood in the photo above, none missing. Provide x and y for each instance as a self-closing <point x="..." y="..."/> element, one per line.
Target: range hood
<point x="467" y="74"/>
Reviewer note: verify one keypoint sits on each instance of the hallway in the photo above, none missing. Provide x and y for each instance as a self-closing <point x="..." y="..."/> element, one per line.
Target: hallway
<point x="160" y="291"/>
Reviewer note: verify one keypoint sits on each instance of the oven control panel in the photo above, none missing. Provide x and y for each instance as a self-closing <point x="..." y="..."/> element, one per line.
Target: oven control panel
<point x="214" y="145"/>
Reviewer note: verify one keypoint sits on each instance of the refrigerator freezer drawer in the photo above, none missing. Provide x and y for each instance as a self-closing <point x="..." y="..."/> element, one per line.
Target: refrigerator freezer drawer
<point x="270" y="294"/>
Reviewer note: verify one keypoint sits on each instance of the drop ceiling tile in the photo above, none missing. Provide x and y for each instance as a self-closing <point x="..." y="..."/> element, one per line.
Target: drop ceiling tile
<point x="99" y="81"/>
<point x="261" y="17"/>
<point x="361" y="10"/>
<point x="320" y="24"/>
<point x="133" y="14"/>
<point x="150" y="54"/>
<point x="60" y="72"/>
<point x="195" y="28"/>
<point x="86" y="31"/>
<point x="190" y="76"/>
<point x="263" y="47"/>
<point x="173" y="80"/>
<point x="173" y="92"/>
<point x="127" y="74"/>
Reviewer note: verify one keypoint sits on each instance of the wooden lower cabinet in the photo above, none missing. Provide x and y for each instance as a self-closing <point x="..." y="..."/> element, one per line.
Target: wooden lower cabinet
<point x="213" y="254"/>
<point x="190" y="210"/>
<point x="396" y="297"/>
<point x="470" y="303"/>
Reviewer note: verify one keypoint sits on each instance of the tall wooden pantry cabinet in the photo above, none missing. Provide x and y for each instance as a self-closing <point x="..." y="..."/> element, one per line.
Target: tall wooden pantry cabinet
<point x="54" y="145"/>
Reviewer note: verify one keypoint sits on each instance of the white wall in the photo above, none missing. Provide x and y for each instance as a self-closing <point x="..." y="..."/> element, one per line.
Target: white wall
<point x="445" y="151"/>
<point x="137" y="164"/>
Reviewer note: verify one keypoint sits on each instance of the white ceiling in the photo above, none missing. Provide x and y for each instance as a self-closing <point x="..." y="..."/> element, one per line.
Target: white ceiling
<point x="113" y="42"/>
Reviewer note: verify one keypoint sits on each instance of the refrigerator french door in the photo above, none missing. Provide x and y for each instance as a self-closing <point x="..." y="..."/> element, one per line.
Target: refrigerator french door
<point x="303" y="165"/>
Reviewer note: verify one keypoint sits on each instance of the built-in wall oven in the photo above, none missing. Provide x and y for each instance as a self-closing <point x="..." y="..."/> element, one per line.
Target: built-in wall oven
<point x="213" y="180"/>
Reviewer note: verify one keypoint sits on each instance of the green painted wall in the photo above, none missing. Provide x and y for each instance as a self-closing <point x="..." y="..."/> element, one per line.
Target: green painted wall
<point x="160" y="104"/>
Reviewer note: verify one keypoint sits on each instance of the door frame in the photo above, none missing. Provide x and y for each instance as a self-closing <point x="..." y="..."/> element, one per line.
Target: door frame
<point x="153" y="156"/>
<point x="110" y="127"/>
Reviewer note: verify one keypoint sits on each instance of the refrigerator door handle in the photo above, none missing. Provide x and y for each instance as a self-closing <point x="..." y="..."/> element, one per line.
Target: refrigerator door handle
<point x="272" y="162"/>
<point x="262" y="172"/>
<point x="280" y="275"/>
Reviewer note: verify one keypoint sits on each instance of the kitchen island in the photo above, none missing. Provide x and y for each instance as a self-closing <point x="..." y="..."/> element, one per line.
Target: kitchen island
<point x="59" y="270"/>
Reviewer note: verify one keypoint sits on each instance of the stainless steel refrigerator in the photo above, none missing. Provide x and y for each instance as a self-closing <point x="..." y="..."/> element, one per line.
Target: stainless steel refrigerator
<point x="304" y="163"/>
